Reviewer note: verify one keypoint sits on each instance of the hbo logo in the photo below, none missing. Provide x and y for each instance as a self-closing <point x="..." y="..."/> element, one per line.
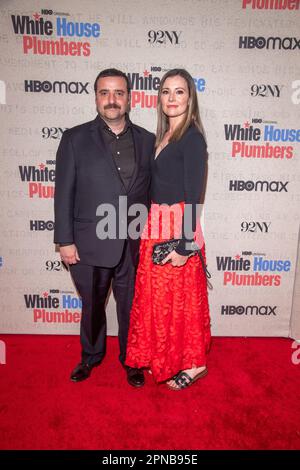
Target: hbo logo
<point x="41" y="225"/>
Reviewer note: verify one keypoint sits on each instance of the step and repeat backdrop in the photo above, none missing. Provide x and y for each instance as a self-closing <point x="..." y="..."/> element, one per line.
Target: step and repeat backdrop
<point x="244" y="58"/>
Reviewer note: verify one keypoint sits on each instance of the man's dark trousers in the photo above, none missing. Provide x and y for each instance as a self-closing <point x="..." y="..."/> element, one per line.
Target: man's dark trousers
<point x="93" y="284"/>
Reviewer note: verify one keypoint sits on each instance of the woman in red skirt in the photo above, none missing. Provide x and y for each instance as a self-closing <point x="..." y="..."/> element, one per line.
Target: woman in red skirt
<point x="169" y="324"/>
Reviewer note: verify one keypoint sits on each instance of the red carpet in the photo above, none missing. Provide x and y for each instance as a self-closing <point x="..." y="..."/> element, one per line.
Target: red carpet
<point x="249" y="400"/>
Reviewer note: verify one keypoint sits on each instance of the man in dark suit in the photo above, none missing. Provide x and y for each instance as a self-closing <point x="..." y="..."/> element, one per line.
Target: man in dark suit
<point x="97" y="163"/>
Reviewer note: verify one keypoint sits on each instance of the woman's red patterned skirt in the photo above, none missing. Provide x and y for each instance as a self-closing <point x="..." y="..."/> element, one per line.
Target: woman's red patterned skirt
<point x="169" y="322"/>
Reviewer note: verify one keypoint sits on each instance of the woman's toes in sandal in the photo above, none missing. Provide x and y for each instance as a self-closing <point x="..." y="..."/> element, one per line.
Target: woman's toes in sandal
<point x="184" y="380"/>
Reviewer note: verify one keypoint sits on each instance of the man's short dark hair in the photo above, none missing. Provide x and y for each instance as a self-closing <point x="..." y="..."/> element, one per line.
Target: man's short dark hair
<point x="112" y="73"/>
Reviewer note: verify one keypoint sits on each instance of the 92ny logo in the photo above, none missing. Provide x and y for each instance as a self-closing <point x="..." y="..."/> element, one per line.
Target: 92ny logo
<point x="55" y="265"/>
<point x="254" y="227"/>
<point x="266" y="90"/>
<point x="164" y="37"/>
<point x="53" y="132"/>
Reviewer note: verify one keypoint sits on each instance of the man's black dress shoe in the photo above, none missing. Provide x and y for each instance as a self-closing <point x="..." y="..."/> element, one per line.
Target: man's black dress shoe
<point x="82" y="371"/>
<point x="135" y="377"/>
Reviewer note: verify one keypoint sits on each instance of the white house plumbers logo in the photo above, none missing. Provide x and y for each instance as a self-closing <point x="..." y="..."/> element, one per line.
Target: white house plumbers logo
<point x="271" y="4"/>
<point x="144" y="87"/>
<point x="246" y="140"/>
<point x="35" y="28"/>
<point x="54" y="306"/>
<point x="38" y="179"/>
<point x="259" y="271"/>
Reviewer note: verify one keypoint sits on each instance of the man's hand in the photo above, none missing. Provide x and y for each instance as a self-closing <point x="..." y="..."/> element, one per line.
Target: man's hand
<point x="69" y="254"/>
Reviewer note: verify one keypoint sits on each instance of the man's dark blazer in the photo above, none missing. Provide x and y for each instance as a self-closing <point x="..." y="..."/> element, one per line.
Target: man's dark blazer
<point x="86" y="176"/>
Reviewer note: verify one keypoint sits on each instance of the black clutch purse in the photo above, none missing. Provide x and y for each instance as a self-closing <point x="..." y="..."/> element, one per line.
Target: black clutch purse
<point x="161" y="250"/>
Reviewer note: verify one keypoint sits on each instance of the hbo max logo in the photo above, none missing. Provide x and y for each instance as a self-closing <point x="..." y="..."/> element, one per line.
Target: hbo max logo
<point x="249" y="185"/>
<point x="248" y="310"/>
<point x="41" y="225"/>
<point x="36" y="86"/>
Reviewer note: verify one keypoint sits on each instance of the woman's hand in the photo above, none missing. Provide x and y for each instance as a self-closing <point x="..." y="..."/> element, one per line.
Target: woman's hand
<point x="175" y="259"/>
